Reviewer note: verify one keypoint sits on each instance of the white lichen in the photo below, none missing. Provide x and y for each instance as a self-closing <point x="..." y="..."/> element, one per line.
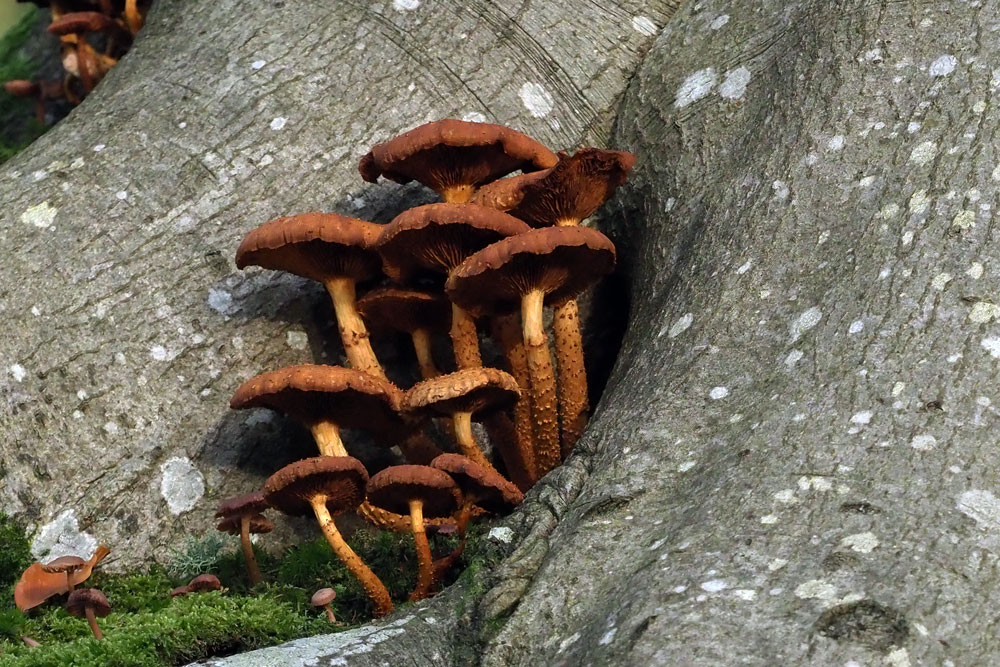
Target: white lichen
<point x="62" y="537"/>
<point x="644" y="25"/>
<point x="181" y="485"/>
<point x="861" y="542"/>
<point x="696" y="86"/>
<point x="734" y="83"/>
<point x="536" y="99"/>
<point x="41" y="215"/>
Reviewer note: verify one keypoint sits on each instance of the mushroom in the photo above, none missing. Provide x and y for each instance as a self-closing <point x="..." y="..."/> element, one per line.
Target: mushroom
<point x="454" y="157"/>
<point x="243" y="515"/>
<point x="564" y="195"/>
<point x="203" y="583"/>
<point x="36" y="585"/>
<point x="88" y="65"/>
<point x="416" y="312"/>
<point x="326" y="486"/>
<point x="180" y="592"/>
<point x="420" y="491"/>
<point x="464" y="395"/>
<point x="29" y="642"/>
<point x="328" y="248"/>
<point x="524" y="271"/>
<point x="66" y="565"/>
<point x="506" y="331"/>
<point x="322" y="598"/>
<point x="91" y="603"/>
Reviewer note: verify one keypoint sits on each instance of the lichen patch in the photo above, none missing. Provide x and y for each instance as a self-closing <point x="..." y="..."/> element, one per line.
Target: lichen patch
<point x="41" y="215"/>
<point x="182" y="484"/>
<point x="62" y="537"/>
<point x="536" y="99"/>
<point x="696" y="86"/>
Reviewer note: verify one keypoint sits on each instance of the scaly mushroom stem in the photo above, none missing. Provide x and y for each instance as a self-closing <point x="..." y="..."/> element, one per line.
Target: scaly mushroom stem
<point x="93" y="623"/>
<point x="465" y="339"/>
<point x="133" y="19"/>
<point x="462" y="421"/>
<point x="353" y="332"/>
<point x="509" y="337"/>
<point x="422" y="348"/>
<point x="444" y="564"/>
<point x="425" y="562"/>
<point x="372" y="584"/>
<point x="327" y="437"/>
<point x="248" y="554"/>
<point x="458" y="194"/>
<point x="542" y="382"/>
<point x="572" y="388"/>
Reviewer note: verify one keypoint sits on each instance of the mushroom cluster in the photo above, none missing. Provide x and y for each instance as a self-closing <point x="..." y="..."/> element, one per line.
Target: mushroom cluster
<point x="489" y="258"/>
<point x="93" y="36"/>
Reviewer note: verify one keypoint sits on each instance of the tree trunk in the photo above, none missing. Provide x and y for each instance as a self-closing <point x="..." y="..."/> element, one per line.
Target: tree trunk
<point x="794" y="461"/>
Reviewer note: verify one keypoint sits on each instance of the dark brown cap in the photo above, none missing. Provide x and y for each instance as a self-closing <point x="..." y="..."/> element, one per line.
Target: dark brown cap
<point x="572" y="190"/>
<point x="487" y="489"/>
<point x="393" y="488"/>
<point x="65" y="564"/>
<point x="561" y="261"/>
<point x="340" y="480"/>
<point x="323" y="596"/>
<point x="180" y="592"/>
<point x="81" y="22"/>
<point x="475" y="390"/>
<point x="82" y="598"/>
<point x="204" y="582"/>
<point x="319" y="246"/>
<point x="259" y="524"/>
<point x="251" y="503"/>
<point x="438" y="237"/>
<point x="309" y="393"/>
<point x="22" y="88"/>
<point x="402" y="309"/>
<point x="449" y="153"/>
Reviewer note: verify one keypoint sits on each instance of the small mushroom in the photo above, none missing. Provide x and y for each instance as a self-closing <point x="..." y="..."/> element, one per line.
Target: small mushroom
<point x="66" y="565"/>
<point x="420" y="491"/>
<point x="28" y="641"/>
<point x="36" y="585"/>
<point x="179" y="592"/>
<point x="242" y="516"/>
<point x="322" y="598"/>
<point x="203" y="583"/>
<point x="326" y="486"/>
<point x="454" y="157"/>
<point x="91" y="603"/>
<point x="416" y="312"/>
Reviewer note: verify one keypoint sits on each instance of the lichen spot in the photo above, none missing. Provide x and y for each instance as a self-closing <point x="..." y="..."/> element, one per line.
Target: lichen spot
<point x="835" y="143"/>
<point x="714" y="586"/>
<point x="975" y="271"/>
<point x="681" y="325"/>
<point x="501" y="534"/>
<point x="644" y="25"/>
<point x="943" y="65"/>
<point x="982" y="507"/>
<point x="919" y="202"/>
<point x="719" y="21"/>
<point x="941" y="280"/>
<point x="17" y="372"/>
<point x="862" y="418"/>
<point x="159" y="353"/>
<point x="182" y="485"/>
<point x="474" y="117"/>
<point x="62" y="537"/>
<point x="41" y="215"/>
<point x="898" y="658"/>
<point x="984" y="311"/>
<point x="279" y="123"/>
<point x="816" y="589"/>
<point x="964" y="220"/>
<point x="793" y="357"/>
<point x="734" y="84"/>
<point x="718" y="392"/>
<point x="780" y="189"/>
<point x="257" y="64"/>
<point x="806" y="321"/>
<point x="220" y="301"/>
<point x="923" y="442"/>
<point x="405" y="5"/>
<point x="923" y="152"/>
<point x="991" y="345"/>
<point x="745" y="594"/>
<point x="863" y="543"/>
<point x="297" y="340"/>
<point x="695" y="86"/>
<point x="857" y="326"/>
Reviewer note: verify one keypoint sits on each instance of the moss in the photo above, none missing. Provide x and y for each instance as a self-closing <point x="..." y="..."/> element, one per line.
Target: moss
<point x="14" y="65"/>
<point x="15" y="556"/>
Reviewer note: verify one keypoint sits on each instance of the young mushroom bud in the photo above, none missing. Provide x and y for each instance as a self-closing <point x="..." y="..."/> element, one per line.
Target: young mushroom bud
<point x="322" y="598"/>
<point x="91" y="603"/>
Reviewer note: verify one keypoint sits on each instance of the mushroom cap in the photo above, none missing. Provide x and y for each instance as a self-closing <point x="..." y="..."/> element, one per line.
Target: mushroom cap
<point x="310" y="393"/>
<point x="435" y="238"/>
<point x="403" y="309"/>
<point x="450" y="152"/>
<point x="21" y="88"/>
<point x="561" y="261"/>
<point x="250" y="503"/>
<point x="393" y="488"/>
<point x="318" y="246"/>
<point x="259" y="524"/>
<point x="341" y="480"/>
<point x="82" y="598"/>
<point x="323" y="596"/>
<point x="571" y="190"/>
<point x="180" y="591"/>
<point x="65" y="564"/>
<point x="81" y="22"/>
<point x="204" y="582"/>
<point x="487" y="488"/>
<point x="475" y="390"/>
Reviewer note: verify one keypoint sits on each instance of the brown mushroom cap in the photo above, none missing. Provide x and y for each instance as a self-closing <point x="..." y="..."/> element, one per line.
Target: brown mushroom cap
<point x="180" y="591"/>
<point x="475" y="390"/>
<point x="572" y="190"/>
<point x="323" y="596"/>
<point x="452" y="152"/>
<point x="393" y="488"/>
<point x="339" y="479"/>
<point x="65" y="564"/>
<point x="561" y="261"/>
<point x="204" y="582"/>
<point x="82" y="598"/>
<point x="435" y="238"/>
<point x="401" y="309"/>
<point x="490" y="491"/>
<point x="318" y="246"/>
<point x="22" y="88"/>
<point x="259" y="524"/>
<point x="81" y="22"/>
<point x="250" y="503"/>
<point x="309" y="393"/>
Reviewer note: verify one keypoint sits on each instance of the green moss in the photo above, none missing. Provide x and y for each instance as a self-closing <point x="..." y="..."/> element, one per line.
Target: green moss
<point x="14" y="65"/>
<point x="15" y="556"/>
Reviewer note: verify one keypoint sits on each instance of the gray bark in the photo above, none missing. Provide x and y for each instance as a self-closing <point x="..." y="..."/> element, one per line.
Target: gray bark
<point x="793" y="461"/>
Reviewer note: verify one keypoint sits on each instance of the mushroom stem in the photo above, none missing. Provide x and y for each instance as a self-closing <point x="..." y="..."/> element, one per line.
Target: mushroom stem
<point x="465" y="339"/>
<point x="133" y="19"/>
<point x="329" y="613"/>
<point x="372" y="584"/>
<point x="327" y="437"/>
<point x="353" y="332"/>
<point x="422" y="348"/>
<point x="572" y="388"/>
<point x="425" y="562"/>
<point x="542" y="382"/>
<point x="93" y="623"/>
<point x="507" y="334"/>
<point x="442" y="565"/>
<point x="462" y="421"/>
<point x="248" y="554"/>
<point x="458" y="194"/>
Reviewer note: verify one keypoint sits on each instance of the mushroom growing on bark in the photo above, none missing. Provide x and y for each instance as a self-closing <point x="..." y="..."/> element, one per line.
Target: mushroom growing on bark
<point x="564" y="195"/>
<point x="524" y="272"/>
<point x="91" y="603"/>
<point x="327" y="486"/>
<point x="454" y="157"/>
<point x="242" y="516"/>
<point x="416" y="312"/>
<point x="420" y="491"/>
